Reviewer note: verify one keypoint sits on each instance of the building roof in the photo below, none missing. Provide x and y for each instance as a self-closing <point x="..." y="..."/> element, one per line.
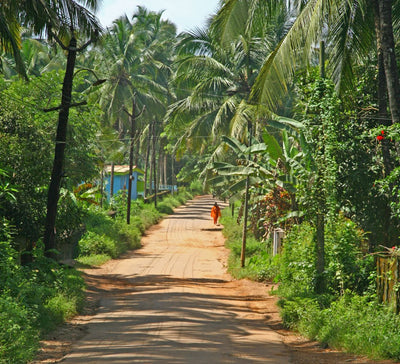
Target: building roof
<point x="123" y="169"/>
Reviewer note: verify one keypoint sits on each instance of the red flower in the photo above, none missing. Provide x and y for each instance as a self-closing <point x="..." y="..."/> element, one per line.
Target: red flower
<point x="380" y="137"/>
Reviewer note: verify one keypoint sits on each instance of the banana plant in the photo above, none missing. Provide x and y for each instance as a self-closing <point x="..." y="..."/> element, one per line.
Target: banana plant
<point x="290" y="158"/>
<point x="232" y="175"/>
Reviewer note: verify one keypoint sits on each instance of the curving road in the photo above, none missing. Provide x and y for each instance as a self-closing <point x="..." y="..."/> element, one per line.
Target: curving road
<point x="173" y="302"/>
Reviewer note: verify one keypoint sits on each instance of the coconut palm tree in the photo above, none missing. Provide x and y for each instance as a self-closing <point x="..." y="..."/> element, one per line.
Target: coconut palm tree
<point x="216" y="83"/>
<point x="69" y="20"/>
<point x="136" y="60"/>
<point x="10" y="32"/>
<point x="349" y="28"/>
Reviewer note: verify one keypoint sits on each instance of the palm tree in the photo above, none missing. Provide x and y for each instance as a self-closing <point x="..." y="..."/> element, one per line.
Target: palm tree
<point x="134" y="56"/>
<point x="10" y="32"/>
<point x="350" y="30"/>
<point x="216" y="83"/>
<point x="71" y="19"/>
<point x="59" y="20"/>
<point x="221" y="72"/>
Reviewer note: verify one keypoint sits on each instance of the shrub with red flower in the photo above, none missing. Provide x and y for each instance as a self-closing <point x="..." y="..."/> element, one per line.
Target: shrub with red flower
<point x="381" y="136"/>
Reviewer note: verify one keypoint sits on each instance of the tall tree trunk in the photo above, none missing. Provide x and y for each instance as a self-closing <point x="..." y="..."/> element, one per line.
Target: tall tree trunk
<point x="58" y="164"/>
<point x="131" y="149"/>
<point x="321" y="203"/>
<point x="146" y="168"/>
<point x="382" y="90"/>
<point x="151" y="160"/>
<point x="137" y="149"/>
<point x="320" y="253"/>
<point x="245" y="217"/>
<point x="172" y="172"/>
<point x="165" y="169"/>
<point x="389" y="58"/>
<point x="112" y="181"/>
<point x="383" y="117"/>
<point x="246" y="202"/>
<point x="160" y="167"/>
<point x="154" y="156"/>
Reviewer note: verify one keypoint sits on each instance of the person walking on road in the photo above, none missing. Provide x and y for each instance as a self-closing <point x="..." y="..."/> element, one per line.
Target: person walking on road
<point x="215" y="213"/>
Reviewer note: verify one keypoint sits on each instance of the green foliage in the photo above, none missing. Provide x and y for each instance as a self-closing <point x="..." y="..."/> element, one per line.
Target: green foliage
<point x="93" y="260"/>
<point x="59" y="308"/>
<point x="353" y="323"/>
<point x="149" y="216"/>
<point x="345" y="264"/>
<point x="321" y="117"/>
<point x="26" y="150"/>
<point x="342" y="136"/>
<point x="19" y="339"/>
<point x="93" y="243"/>
<point x="165" y="208"/>
<point x="257" y="265"/>
<point x="196" y="187"/>
<point x="107" y="236"/>
<point x="33" y="299"/>
<point x="297" y="269"/>
<point x="167" y="205"/>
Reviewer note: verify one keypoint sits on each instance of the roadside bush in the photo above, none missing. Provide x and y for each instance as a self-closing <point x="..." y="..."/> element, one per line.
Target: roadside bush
<point x="131" y="234"/>
<point x="59" y="308"/>
<point x="93" y="243"/>
<point x="33" y="298"/>
<point x="93" y="260"/>
<point x="149" y="215"/>
<point x="168" y="203"/>
<point x="184" y="194"/>
<point x="346" y="267"/>
<point x="112" y="237"/>
<point x="165" y="207"/>
<point x="352" y="323"/>
<point x="196" y="187"/>
<point x="98" y="221"/>
<point x="297" y="270"/>
<point x="19" y="339"/>
<point x="258" y="260"/>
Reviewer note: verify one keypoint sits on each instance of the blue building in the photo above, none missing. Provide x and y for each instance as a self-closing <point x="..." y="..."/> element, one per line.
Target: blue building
<point x="121" y="180"/>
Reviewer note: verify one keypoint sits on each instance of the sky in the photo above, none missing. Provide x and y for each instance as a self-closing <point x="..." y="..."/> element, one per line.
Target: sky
<point x="186" y="14"/>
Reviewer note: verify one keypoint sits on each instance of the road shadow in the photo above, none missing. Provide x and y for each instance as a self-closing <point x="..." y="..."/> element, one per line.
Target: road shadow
<point x="145" y="322"/>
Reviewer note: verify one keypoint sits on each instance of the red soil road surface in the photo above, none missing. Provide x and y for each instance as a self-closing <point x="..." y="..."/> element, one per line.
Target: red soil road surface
<point x="173" y="302"/>
<point x="177" y="304"/>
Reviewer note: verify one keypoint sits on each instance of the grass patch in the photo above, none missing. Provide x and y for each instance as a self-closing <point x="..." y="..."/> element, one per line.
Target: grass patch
<point x="355" y="324"/>
<point x="94" y="260"/>
<point x="258" y="263"/>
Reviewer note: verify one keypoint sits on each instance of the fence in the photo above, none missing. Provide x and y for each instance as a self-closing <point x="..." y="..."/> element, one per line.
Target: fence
<point x="388" y="284"/>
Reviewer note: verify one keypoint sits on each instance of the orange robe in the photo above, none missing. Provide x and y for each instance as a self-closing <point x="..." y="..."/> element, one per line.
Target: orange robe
<point x="215" y="213"/>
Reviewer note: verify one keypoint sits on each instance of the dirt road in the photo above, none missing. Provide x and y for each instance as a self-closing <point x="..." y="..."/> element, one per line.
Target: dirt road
<point x="173" y="302"/>
<point x="177" y="304"/>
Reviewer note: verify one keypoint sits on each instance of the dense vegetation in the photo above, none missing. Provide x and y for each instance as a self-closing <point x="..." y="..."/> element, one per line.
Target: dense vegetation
<point x="288" y="109"/>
